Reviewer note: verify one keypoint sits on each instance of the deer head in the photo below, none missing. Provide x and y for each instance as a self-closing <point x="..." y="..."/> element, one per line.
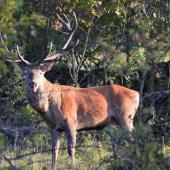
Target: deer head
<point x="34" y="72"/>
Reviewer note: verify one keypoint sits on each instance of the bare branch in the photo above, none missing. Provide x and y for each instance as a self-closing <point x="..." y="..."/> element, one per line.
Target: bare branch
<point x="9" y="161"/>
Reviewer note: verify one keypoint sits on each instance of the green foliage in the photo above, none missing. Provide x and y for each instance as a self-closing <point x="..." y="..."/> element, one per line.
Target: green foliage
<point x="14" y="89"/>
<point x="137" y="152"/>
<point x="14" y="20"/>
<point x="1" y="145"/>
<point x="137" y="59"/>
<point x="94" y="150"/>
<point x="130" y="45"/>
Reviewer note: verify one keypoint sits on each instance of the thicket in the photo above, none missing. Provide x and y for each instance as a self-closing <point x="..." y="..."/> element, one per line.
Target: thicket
<point x="121" y="42"/>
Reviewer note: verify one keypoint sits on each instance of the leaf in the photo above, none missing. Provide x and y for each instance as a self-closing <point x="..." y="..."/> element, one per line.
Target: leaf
<point x="101" y="83"/>
<point x="154" y="15"/>
<point x="33" y="32"/>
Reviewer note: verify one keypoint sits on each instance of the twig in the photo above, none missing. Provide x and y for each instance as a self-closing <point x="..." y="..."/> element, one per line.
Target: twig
<point x="9" y="161"/>
<point x="85" y="76"/>
<point x="104" y="162"/>
<point x="159" y="92"/>
<point x="113" y="139"/>
<point x="84" y="50"/>
<point x="144" y="72"/>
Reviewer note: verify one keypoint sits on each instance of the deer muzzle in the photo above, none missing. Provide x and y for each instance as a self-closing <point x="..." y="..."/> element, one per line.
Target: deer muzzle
<point x="32" y="85"/>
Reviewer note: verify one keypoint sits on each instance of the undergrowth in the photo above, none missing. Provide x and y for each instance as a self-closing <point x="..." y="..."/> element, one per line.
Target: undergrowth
<point x="108" y="149"/>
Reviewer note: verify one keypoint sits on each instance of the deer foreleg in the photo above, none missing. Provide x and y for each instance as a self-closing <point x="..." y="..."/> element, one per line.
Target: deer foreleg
<point x="71" y="139"/>
<point x="56" y="137"/>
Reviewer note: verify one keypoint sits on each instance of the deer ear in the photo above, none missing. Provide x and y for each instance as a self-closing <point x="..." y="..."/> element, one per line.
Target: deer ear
<point x="47" y="67"/>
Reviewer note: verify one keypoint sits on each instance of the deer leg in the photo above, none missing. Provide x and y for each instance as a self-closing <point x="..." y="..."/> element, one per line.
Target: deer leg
<point x="126" y="123"/>
<point x="56" y="137"/>
<point x="71" y="139"/>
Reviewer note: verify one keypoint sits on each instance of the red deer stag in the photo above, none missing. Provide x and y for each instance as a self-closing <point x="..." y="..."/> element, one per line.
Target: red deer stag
<point x="68" y="109"/>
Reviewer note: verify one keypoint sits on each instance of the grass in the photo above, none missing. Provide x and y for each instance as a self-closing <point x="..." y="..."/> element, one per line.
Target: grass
<point x="89" y="155"/>
<point x="93" y="152"/>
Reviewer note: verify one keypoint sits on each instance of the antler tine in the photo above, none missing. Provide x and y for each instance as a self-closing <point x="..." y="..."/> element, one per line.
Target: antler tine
<point x="41" y="59"/>
<point x="64" y="47"/>
<point x="21" y="58"/>
<point x="54" y="57"/>
<point x="67" y="24"/>
<point x="4" y="46"/>
<point x="15" y="61"/>
<point x="66" y="19"/>
<point x="75" y="25"/>
<point x="71" y="32"/>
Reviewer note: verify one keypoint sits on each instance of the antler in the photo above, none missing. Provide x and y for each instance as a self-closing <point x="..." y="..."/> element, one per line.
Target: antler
<point x="3" y="43"/>
<point x="64" y="48"/>
<point x="21" y="58"/>
<point x="19" y="55"/>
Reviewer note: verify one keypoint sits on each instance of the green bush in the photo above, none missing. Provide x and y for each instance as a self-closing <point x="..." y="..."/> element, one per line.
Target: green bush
<point x="137" y="152"/>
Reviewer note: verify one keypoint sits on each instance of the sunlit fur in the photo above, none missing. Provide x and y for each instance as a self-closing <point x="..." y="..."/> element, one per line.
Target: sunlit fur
<point x="65" y="108"/>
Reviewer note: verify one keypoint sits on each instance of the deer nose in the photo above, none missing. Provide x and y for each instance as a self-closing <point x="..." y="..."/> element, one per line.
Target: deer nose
<point x="32" y="84"/>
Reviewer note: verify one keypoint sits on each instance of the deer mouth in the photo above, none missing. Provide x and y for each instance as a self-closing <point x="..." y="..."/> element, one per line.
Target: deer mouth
<point x="33" y="86"/>
<point x="34" y="89"/>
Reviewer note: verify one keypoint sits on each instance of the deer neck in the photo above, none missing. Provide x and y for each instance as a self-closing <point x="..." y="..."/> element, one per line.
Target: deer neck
<point x="39" y="99"/>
